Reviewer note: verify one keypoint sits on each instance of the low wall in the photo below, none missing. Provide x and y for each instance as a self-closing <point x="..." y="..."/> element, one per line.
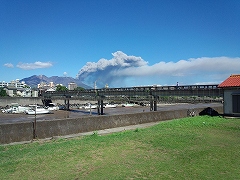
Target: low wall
<point x="4" y="101"/>
<point x="18" y="132"/>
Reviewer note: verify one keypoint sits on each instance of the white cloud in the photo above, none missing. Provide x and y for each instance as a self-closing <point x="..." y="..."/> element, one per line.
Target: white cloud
<point x="185" y="67"/>
<point x="9" y="65"/>
<point x="36" y="65"/>
<point x="64" y="73"/>
<point x="124" y="70"/>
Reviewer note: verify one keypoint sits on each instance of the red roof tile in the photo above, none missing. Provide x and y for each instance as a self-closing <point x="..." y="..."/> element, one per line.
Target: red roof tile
<point x="232" y="81"/>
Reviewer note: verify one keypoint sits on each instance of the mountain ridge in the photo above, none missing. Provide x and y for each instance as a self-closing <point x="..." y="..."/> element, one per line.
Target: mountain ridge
<point x="34" y="80"/>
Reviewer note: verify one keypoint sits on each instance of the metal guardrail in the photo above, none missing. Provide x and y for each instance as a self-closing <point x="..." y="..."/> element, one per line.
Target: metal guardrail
<point x="188" y="90"/>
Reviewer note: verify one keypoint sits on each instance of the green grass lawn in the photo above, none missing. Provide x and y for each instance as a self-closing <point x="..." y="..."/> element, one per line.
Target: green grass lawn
<point x="190" y="148"/>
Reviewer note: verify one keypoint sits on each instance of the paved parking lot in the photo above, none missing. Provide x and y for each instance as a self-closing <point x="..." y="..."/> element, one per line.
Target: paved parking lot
<point x="74" y="113"/>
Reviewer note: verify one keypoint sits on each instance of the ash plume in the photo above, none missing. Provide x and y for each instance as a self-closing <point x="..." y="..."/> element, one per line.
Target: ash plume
<point x="109" y="71"/>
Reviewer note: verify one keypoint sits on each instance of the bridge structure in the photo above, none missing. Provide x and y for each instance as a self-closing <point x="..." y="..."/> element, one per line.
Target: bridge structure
<point x="152" y="94"/>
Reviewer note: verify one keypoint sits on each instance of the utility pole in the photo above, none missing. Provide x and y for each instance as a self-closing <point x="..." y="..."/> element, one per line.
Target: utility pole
<point x="35" y="124"/>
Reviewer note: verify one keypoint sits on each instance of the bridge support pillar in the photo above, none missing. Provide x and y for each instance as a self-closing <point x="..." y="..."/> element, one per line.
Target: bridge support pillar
<point x="67" y="102"/>
<point x="68" y="105"/>
<point x="153" y="103"/>
<point x="100" y="105"/>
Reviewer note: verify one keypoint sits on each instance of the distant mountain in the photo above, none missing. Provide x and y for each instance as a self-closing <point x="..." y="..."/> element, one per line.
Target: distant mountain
<point x="34" y="80"/>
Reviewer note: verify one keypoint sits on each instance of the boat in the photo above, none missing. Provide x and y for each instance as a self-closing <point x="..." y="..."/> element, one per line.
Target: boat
<point x="37" y="110"/>
<point x="52" y="107"/>
<point x="90" y="106"/>
<point x="127" y="105"/>
<point x="110" y="106"/>
<point x="15" y="108"/>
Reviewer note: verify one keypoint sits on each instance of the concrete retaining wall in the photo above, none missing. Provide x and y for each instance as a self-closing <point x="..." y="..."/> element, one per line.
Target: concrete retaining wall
<point x="4" y="101"/>
<point x="18" y="132"/>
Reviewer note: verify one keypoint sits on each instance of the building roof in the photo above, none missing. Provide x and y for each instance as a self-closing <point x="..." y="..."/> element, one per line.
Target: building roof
<point x="232" y="81"/>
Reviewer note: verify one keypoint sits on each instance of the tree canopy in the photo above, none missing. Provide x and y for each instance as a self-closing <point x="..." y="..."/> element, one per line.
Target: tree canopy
<point x="3" y="92"/>
<point x="79" y="88"/>
<point x="61" y="88"/>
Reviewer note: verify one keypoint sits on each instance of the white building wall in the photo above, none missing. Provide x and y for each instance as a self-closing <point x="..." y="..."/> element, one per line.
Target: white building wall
<point x="3" y="84"/>
<point x="34" y="93"/>
<point x="228" y="104"/>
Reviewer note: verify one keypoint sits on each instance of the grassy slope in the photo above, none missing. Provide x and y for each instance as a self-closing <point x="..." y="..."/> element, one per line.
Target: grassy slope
<point x="190" y="148"/>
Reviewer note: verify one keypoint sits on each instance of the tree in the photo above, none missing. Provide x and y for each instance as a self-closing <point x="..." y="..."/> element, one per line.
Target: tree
<point x="3" y="92"/>
<point x="61" y="88"/>
<point x="79" y="89"/>
<point x="26" y="86"/>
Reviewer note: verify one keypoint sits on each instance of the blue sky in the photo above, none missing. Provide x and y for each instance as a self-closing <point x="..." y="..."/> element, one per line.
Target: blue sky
<point x="121" y="42"/>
